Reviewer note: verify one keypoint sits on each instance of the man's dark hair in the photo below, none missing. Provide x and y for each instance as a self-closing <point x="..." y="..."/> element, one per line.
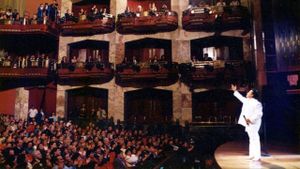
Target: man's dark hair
<point x="255" y="93"/>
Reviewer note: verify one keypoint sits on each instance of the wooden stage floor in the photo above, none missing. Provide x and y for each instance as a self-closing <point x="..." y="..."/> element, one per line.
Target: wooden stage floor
<point x="234" y="155"/>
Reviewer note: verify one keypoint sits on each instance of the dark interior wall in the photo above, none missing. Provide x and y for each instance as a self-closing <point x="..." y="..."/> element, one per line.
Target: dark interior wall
<point x="7" y="101"/>
<point x="215" y="106"/>
<point x="43" y="98"/>
<point x="139" y="49"/>
<point x="234" y="44"/>
<point x="148" y="106"/>
<point x="93" y="98"/>
<point x="282" y="34"/>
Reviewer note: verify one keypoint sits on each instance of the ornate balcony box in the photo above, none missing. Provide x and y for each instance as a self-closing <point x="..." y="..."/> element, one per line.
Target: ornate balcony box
<point x="31" y="29"/>
<point x="17" y="77"/>
<point x="82" y="74"/>
<point x="232" y="18"/>
<point x="24" y="73"/>
<point x="81" y="28"/>
<point x="162" y="22"/>
<point x="146" y="75"/>
<point x="220" y="72"/>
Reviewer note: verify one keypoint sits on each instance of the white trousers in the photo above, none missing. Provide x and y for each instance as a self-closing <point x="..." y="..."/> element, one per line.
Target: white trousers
<point x="254" y="143"/>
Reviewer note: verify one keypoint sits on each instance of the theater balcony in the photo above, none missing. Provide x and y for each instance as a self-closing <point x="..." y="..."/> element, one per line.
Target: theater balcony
<point x="216" y="61"/>
<point x="87" y="63"/>
<point x="85" y="73"/>
<point x="147" y="63"/>
<point x="213" y="72"/>
<point x="88" y="17"/>
<point x="81" y="28"/>
<point x="143" y="23"/>
<point x="42" y="30"/>
<point x="146" y="74"/>
<point x="16" y="77"/>
<point x="210" y="20"/>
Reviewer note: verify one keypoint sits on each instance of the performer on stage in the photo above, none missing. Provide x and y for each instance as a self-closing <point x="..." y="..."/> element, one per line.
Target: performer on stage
<point x="250" y="118"/>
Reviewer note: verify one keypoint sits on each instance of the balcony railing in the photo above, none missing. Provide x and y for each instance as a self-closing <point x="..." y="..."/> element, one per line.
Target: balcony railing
<point x="199" y="19"/>
<point x="44" y="29"/>
<point x="98" y="26"/>
<point x="212" y="71"/>
<point x="85" y="73"/>
<point x="147" y="74"/>
<point x="143" y="23"/>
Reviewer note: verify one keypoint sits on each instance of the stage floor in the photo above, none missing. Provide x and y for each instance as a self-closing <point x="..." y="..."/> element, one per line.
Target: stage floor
<point x="234" y="155"/>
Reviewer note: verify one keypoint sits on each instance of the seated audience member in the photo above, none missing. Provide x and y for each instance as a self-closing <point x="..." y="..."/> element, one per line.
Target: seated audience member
<point x="206" y="57"/>
<point x="74" y="60"/>
<point x="164" y="8"/>
<point x="203" y="7"/>
<point x="139" y="10"/>
<point x="235" y="3"/>
<point x="220" y="6"/>
<point x="152" y="9"/>
<point x="34" y="20"/>
<point x="82" y="15"/>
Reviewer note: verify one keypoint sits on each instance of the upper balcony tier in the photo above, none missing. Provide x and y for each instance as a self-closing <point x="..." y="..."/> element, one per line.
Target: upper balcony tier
<point x="147" y="74"/>
<point x="212" y="20"/>
<point x="49" y="30"/>
<point x="145" y="23"/>
<point x="85" y="73"/>
<point x="87" y="27"/>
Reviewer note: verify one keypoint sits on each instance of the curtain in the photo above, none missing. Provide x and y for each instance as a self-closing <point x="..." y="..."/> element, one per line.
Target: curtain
<point x="13" y="4"/>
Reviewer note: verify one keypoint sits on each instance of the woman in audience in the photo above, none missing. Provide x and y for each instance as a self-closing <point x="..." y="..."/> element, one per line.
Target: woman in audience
<point x="58" y="144"/>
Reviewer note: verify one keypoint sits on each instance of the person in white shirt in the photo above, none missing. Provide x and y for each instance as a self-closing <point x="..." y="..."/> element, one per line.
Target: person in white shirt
<point x="32" y="113"/>
<point x="250" y="118"/>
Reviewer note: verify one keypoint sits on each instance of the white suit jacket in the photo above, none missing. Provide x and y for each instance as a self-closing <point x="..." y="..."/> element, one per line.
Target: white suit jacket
<point x="252" y="110"/>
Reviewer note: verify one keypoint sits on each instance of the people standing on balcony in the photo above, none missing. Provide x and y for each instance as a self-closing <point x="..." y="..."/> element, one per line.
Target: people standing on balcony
<point x="53" y="13"/>
<point x="40" y="12"/>
<point x="46" y="9"/>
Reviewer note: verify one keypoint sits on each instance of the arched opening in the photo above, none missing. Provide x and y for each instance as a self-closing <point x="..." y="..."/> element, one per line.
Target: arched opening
<point x="218" y="48"/>
<point x="83" y="104"/>
<point x="148" y="106"/>
<point x="215" y="107"/>
<point x="148" y="49"/>
<point x="89" y="49"/>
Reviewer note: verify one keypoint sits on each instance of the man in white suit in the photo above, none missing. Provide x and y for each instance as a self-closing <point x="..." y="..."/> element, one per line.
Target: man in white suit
<point x="250" y="118"/>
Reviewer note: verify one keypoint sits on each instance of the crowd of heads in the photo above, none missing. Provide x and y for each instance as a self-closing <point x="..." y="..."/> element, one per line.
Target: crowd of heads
<point x="205" y="7"/>
<point x="45" y="13"/>
<point x="27" y="61"/>
<point x="92" y="14"/>
<point x="151" y="11"/>
<point x="60" y="144"/>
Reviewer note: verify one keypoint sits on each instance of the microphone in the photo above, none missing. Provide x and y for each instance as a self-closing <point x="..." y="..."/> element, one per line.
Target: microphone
<point x="246" y="120"/>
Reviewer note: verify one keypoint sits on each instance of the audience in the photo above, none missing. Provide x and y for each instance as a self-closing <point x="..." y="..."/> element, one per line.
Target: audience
<point x="59" y="144"/>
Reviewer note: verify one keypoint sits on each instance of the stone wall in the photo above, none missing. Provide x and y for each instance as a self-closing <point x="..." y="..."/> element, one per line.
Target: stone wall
<point x="182" y="96"/>
<point x="21" y="104"/>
